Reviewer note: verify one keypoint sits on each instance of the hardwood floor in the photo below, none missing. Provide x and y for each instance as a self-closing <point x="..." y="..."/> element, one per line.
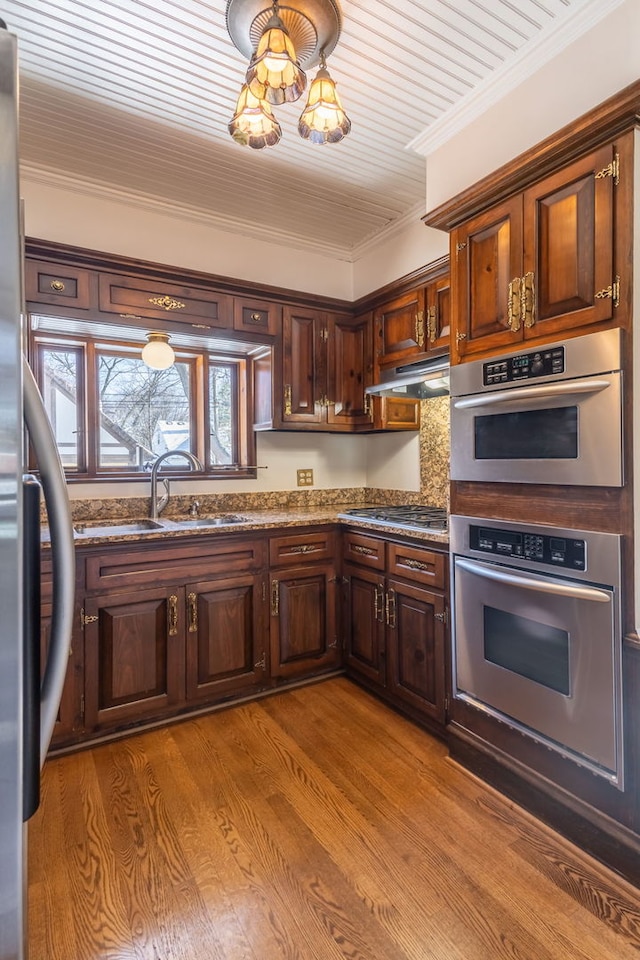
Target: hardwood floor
<point x="314" y="824"/>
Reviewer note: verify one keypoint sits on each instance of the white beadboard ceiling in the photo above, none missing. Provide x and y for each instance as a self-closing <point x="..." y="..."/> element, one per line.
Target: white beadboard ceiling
<point x="134" y="97"/>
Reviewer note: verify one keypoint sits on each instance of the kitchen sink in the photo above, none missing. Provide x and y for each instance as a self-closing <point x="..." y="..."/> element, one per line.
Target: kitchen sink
<point x="104" y="528"/>
<point x="220" y="521"/>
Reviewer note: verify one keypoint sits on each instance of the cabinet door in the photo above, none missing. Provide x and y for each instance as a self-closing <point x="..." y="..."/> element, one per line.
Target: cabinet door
<point x="486" y="257"/>
<point x="568" y="242"/>
<point x="364" y="622"/>
<point x="438" y="315"/>
<point x="416" y="647"/>
<point x="349" y="362"/>
<point x="396" y="413"/>
<point x="134" y="655"/>
<point x="303" y="620"/>
<point x="226" y="639"/>
<point x="303" y="367"/>
<point x="68" y="720"/>
<point x="399" y="328"/>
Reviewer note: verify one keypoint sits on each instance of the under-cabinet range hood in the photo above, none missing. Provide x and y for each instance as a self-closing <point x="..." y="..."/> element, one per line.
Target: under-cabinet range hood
<point x="430" y="378"/>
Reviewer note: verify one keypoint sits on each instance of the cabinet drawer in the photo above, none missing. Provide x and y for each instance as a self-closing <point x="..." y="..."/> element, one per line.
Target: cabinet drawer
<point x="57" y="284"/>
<point x="413" y="563"/>
<point x="312" y="546"/>
<point x="257" y="316"/>
<point x="363" y="550"/>
<point x="119" y="569"/>
<point x="139" y="297"/>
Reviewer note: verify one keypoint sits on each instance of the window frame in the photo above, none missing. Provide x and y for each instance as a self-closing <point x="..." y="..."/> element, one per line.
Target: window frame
<point x="200" y="359"/>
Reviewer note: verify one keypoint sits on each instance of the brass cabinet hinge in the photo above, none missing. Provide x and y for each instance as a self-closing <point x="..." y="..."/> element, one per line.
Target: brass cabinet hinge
<point x="612" y="292"/>
<point x="461" y="246"/>
<point x="84" y="620"/>
<point x="262" y="662"/>
<point x="324" y="334"/>
<point x="446" y="706"/>
<point x="442" y="617"/>
<point x="611" y="170"/>
<point x="192" y="606"/>
<point x="460" y="336"/>
<point x="173" y="615"/>
<point x="366" y="405"/>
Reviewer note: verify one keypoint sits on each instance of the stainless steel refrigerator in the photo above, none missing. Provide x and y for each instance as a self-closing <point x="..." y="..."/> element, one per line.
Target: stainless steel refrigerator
<point x="28" y="705"/>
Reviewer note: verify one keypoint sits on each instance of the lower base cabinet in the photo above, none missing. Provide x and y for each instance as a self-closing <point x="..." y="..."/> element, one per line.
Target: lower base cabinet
<point x="395" y="623"/>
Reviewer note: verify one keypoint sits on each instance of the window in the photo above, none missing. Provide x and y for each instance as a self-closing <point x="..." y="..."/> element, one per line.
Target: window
<point x="112" y="415"/>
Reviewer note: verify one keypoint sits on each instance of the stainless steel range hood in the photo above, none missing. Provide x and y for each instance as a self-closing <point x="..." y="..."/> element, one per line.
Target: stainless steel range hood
<point x="430" y="378"/>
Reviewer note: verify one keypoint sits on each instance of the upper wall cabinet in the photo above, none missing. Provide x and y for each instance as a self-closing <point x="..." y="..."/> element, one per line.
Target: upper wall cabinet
<point x="539" y="263"/>
<point x="324" y="364"/>
<point x="140" y="297"/>
<point x="414" y="324"/>
<point x="57" y="284"/>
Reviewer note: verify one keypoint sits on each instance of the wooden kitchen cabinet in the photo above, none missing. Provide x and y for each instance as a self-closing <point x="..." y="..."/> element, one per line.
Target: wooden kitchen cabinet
<point x="57" y="284"/>
<point x="539" y="263"/>
<point x="226" y="636"/>
<point x="134" y="655"/>
<point x="325" y="361"/>
<point x="257" y="316"/>
<point x="395" y="623"/>
<point x="200" y="308"/>
<point x="414" y="325"/>
<point x="69" y="720"/>
<point x="304" y="624"/>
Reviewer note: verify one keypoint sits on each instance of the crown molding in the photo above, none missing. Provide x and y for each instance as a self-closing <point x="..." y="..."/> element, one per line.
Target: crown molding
<point x="551" y="41"/>
<point x="103" y="191"/>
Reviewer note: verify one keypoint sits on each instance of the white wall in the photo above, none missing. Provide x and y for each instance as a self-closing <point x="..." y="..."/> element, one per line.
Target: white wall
<point x="396" y="255"/>
<point x="67" y="214"/>
<point x="600" y="63"/>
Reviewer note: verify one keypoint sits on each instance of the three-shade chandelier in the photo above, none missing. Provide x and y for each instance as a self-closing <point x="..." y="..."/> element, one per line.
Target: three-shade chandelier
<point x="279" y="40"/>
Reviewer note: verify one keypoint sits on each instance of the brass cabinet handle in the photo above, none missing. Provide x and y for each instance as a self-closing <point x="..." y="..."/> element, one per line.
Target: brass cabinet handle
<point x="514" y="306"/>
<point x="366" y="405"/>
<point x="287" y="398"/>
<point x="528" y="298"/>
<point x="255" y="317"/>
<point x="173" y="615"/>
<point x="57" y="286"/>
<point x="275" y="597"/>
<point x="419" y="333"/>
<point x="390" y="607"/>
<point x="432" y="324"/>
<point x="167" y="303"/>
<point x="378" y="603"/>
<point x="192" y="606"/>
<point x="262" y="662"/>
<point x="304" y="548"/>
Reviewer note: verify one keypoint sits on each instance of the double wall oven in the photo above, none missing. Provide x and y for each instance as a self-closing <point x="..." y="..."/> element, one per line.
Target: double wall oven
<point x="537" y="633"/>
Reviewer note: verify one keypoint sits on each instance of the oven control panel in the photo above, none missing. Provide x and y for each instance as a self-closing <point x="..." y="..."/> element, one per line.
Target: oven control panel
<point x="564" y="552"/>
<point x="524" y="366"/>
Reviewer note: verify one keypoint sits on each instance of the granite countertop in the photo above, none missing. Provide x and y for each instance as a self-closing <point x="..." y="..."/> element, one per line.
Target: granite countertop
<point x="115" y="530"/>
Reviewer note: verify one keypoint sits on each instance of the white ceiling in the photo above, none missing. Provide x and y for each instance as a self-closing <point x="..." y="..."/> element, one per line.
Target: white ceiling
<point x="135" y="96"/>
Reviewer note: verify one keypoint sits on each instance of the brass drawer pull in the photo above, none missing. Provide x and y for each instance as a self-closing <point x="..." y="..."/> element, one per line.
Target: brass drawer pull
<point x="255" y="318"/>
<point x="173" y="616"/>
<point x="57" y="286"/>
<point x="275" y="598"/>
<point x="365" y="551"/>
<point x="414" y="564"/>
<point x="303" y="548"/>
<point x="528" y="296"/>
<point x="419" y="333"/>
<point x="390" y="607"/>
<point x="167" y="303"/>
<point x="515" y="304"/>
<point x="193" y="613"/>
<point x="432" y="324"/>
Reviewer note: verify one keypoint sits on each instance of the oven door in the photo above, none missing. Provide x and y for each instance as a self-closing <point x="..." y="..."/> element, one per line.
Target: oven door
<point x="566" y="432"/>
<point x="543" y="654"/>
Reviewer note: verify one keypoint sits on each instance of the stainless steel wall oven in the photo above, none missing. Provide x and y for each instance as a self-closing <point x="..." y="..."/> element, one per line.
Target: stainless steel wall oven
<point x="549" y="415"/>
<point x="537" y="635"/>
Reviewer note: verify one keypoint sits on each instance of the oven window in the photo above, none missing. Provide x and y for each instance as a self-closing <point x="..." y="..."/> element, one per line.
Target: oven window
<point x="529" y="435"/>
<point x="533" y="649"/>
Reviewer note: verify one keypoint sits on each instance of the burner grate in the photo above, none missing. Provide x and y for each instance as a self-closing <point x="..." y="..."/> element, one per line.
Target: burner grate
<point x="434" y="518"/>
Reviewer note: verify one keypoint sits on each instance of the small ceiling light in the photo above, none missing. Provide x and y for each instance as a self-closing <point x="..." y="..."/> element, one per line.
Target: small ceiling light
<point x="253" y="124"/>
<point x="157" y="353"/>
<point x="279" y="41"/>
<point x="323" y="120"/>
<point x="274" y="73"/>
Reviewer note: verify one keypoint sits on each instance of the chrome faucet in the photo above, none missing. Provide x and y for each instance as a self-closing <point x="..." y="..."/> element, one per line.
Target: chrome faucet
<point x="158" y="505"/>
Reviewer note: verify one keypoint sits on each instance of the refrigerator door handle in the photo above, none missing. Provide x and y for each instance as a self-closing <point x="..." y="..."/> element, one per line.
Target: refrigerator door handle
<point x="54" y="488"/>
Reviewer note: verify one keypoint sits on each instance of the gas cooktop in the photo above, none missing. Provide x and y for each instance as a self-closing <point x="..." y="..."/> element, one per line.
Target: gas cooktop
<point x="408" y="517"/>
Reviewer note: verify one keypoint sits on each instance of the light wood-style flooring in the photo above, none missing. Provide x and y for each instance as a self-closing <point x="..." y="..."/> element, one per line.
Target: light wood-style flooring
<point x="314" y="824"/>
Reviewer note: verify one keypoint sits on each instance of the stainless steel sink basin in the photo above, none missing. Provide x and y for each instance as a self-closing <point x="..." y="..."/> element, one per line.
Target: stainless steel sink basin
<point x="219" y="521"/>
<point x="105" y="528"/>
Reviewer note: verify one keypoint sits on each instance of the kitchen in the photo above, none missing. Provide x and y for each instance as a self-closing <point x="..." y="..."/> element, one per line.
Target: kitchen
<point x="372" y="462"/>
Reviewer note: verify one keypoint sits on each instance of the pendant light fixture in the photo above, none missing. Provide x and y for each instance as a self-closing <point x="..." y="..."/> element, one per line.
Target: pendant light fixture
<point x="157" y="353"/>
<point x="279" y="40"/>
<point x="323" y="120"/>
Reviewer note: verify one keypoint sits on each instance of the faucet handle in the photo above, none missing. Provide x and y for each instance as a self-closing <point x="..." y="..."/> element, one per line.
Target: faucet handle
<point x="194" y="509"/>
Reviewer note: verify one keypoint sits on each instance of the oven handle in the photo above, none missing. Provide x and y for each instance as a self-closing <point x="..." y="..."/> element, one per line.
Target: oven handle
<point x="567" y="388"/>
<point x="559" y="588"/>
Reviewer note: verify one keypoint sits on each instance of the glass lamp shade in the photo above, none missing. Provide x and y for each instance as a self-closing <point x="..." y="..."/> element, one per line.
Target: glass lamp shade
<point x="323" y="120"/>
<point x="273" y="73"/>
<point x="253" y="124"/>
<point x="157" y="353"/>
